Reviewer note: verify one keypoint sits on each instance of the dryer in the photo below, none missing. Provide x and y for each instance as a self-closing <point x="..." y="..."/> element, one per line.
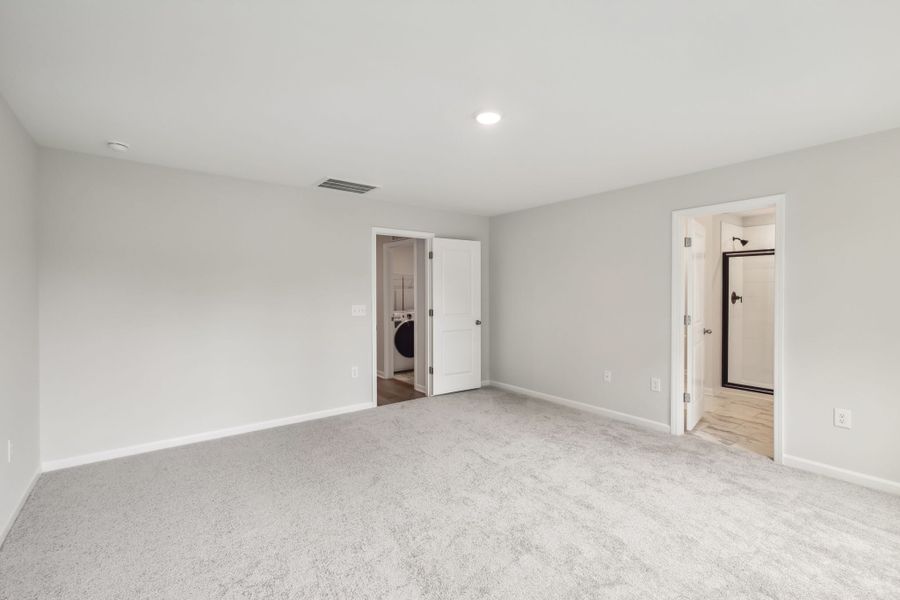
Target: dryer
<point x="404" y="340"/>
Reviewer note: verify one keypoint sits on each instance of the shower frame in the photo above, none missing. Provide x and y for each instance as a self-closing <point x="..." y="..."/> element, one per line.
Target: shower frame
<point x="726" y="301"/>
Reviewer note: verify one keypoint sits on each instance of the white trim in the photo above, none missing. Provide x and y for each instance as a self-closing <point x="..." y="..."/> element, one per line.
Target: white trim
<point x="869" y="481"/>
<point x="83" y="459"/>
<point x="15" y="513"/>
<point x="376" y="231"/>
<point x="676" y="387"/>
<point x="421" y="388"/>
<point x="612" y="414"/>
<point x="381" y="374"/>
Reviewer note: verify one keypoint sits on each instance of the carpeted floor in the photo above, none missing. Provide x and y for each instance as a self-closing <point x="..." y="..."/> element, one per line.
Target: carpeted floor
<point x="477" y="495"/>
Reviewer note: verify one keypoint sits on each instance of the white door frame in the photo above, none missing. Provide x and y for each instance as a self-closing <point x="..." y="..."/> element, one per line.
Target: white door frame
<point x="679" y="220"/>
<point x="421" y="311"/>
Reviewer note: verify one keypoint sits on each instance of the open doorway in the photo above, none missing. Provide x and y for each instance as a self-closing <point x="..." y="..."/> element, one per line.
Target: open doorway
<point x="400" y="309"/>
<point x="727" y="298"/>
<point x="426" y="317"/>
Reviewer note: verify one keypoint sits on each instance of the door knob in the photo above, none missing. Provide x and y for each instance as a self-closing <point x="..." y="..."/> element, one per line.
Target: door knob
<point x="478" y="321"/>
<point x="707" y="331"/>
<point x="735" y="298"/>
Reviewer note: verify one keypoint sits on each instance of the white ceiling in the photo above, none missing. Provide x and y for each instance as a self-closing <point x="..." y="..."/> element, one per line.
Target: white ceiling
<point x="595" y="94"/>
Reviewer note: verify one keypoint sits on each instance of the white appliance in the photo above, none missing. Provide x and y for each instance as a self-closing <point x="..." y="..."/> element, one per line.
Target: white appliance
<point x="404" y="340"/>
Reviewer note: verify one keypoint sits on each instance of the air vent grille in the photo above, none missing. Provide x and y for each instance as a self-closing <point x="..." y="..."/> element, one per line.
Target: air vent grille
<point x="347" y="186"/>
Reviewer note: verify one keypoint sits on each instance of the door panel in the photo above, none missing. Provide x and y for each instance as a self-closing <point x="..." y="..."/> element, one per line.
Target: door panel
<point x="456" y="276"/>
<point x="696" y="308"/>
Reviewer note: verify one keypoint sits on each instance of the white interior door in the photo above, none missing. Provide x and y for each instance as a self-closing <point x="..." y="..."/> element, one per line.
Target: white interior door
<point x="695" y="295"/>
<point x="456" y="325"/>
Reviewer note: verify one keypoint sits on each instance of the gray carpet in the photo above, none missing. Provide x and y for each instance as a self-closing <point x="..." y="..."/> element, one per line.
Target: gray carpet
<point x="477" y="495"/>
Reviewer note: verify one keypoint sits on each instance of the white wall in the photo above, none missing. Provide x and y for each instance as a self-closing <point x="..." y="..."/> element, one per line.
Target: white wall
<point x="18" y="315"/>
<point x="175" y="303"/>
<point x="584" y="285"/>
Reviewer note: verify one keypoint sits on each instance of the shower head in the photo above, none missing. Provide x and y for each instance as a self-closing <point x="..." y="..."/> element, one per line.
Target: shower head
<point x="743" y="242"/>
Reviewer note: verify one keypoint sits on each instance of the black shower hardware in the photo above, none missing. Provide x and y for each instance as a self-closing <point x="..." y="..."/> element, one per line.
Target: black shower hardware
<point x="743" y="242"/>
<point x="735" y="298"/>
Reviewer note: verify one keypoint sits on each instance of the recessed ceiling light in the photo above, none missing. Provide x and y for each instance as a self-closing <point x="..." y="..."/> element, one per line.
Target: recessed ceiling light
<point x="117" y="146"/>
<point x="488" y="118"/>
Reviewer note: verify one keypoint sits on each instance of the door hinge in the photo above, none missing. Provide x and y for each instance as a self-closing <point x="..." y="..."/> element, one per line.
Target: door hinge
<point x="430" y="312"/>
<point x="431" y="370"/>
<point x="430" y="254"/>
<point x="687" y="319"/>
<point x="687" y="397"/>
<point x="687" y="242"/>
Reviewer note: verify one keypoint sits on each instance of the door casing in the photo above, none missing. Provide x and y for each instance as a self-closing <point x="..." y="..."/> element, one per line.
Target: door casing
<point x="421" y="311"/>
<point x="677" y="351"/>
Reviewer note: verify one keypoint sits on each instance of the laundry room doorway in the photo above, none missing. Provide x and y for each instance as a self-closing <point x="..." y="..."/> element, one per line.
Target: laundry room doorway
<point x="401" y="298"/>
<point x="426" y="317"/>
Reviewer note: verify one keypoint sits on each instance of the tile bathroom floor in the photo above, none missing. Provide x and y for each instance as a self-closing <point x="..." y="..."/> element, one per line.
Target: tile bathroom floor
<point x="739" y="419"/>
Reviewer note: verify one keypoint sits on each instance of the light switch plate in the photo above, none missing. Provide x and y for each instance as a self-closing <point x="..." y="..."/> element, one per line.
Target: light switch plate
<point x="358" y="310"/>
<point x="607" y="376"/>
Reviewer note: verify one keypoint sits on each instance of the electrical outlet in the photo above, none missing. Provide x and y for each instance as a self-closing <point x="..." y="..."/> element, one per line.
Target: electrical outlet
<point x="9" y="451"/>
<point x="358" y="310"/>
<point x="843" y="418"/>
<point x="607" y="376"/>
<point x="354" y="372"/>
<point x="655" y="384"/>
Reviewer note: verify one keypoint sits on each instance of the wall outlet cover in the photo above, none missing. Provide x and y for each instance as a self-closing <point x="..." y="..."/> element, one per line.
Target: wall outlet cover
<point x="655" y="384"/>
<point x="607" y="376"/>
<point x="358" y="310"/>
<point x="843" y="418"/>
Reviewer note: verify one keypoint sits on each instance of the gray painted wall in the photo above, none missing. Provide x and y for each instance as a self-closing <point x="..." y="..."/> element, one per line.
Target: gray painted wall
<point x="175" y="303"/>
<point x="584" y="285"/>
<point x="18" y="315"/>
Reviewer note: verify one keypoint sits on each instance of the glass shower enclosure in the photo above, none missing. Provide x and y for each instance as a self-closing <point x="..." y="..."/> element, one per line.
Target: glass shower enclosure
<point x="748" y="320"/>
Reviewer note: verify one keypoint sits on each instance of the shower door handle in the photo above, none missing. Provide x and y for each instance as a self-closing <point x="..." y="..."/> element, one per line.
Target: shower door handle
<point x="707" y="331"/>
<point x="735" y="298"/>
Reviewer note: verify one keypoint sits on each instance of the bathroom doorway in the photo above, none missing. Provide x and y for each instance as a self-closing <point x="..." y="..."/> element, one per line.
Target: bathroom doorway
<point x="727" y="323"/>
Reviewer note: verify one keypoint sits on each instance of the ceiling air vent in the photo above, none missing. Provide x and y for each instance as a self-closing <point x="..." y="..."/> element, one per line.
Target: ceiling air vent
<point x="347" y="186"/>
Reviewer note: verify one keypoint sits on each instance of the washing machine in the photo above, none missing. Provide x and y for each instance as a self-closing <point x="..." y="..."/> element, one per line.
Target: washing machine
<point x="404" y="340"/>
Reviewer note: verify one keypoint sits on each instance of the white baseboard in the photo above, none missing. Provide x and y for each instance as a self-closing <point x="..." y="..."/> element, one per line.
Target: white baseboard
<point x="869" y="481"/>
<point x="612" y="414"/>
<point x="421" y="388"/>
<point x="83" y="459"/>
<point x="381" y="375"/>
<point x="18" y="509"/>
